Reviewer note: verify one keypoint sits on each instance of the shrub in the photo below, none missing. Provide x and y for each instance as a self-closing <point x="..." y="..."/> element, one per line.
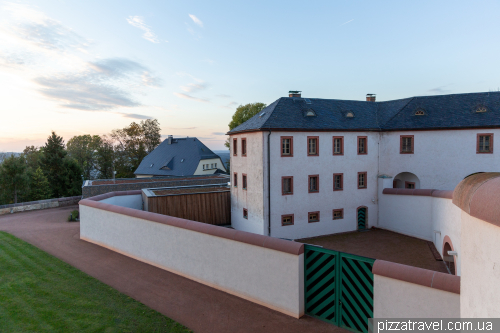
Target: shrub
<point x="74" y="216"/>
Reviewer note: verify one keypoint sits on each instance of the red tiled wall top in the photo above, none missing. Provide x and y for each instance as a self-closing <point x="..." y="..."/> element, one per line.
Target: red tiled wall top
<point x="236" y="235"/>
<point x="423" y="277"/>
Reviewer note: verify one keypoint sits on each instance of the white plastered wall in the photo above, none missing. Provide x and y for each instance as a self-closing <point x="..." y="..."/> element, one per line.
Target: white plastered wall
<point x="325" y="165"/>
<point x="480" y="280"/>
<point x="253" y="198"/>
<point x="441" y="159"/>
<point x="264" y="276"/>
<point x="199" y="169"/>
<point x="400" y="299"/>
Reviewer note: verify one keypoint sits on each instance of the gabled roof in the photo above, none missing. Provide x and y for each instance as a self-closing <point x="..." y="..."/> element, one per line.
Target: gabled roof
<point x="441" y="112"/>
<point x="181" y="158"/>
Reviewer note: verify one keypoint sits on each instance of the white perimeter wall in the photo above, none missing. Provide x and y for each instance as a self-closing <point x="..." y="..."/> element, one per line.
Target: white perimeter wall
<point x="130" y="201"/>
<point x="264" y="276"/>
<point x="325" y="165"/>
<point x="400" y="299"/>
<point x="480" y="280"/>
<point x="253" y="197"/>
<point x="441" y="159"/>
<point x="424" y="217"/>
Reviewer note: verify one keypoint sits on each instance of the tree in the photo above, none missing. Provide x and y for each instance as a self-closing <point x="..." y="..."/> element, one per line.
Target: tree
<point x="33" y="157"/>
<point x="105" y="157"/>
<point x="133" y="143"/>
<point x="39" y="186"/>
<point x="13" y="178"/>
<point x="242" y="114"/>
<point x="83" y="148"/>
<point x="53" y="164"/>
<point x="72" y="177"/>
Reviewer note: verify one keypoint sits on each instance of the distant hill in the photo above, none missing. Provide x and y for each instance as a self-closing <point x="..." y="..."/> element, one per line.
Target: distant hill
<point x="4" y="155"/>
<point x="224" y="156"/>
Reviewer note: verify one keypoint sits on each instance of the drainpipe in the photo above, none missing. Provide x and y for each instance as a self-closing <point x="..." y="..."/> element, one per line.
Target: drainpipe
<point x="269" y="184"/>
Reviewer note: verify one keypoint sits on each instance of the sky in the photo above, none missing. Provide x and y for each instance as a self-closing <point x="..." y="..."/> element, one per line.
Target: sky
<point x="88" y="67"/>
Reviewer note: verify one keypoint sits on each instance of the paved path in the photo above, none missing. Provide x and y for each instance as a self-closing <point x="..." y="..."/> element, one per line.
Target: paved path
<point x="201" y="308"/>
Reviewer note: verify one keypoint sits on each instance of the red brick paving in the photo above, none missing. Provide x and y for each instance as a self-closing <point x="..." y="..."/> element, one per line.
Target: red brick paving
<point x="201" y="308"/>
<point x="382" y="244"/>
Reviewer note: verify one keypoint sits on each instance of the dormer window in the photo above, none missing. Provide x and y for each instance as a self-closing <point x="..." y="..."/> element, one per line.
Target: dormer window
<point x="349" y="114"/>
<point x="420" y="113"/>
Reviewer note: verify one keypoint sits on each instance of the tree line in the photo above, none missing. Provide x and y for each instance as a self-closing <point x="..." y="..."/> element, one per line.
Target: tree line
<point x="58" y="170"/>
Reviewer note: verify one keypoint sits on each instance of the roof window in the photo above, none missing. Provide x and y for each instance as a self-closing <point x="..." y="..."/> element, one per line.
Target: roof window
<point x="481" y="109"/>
<point x="263" y="113"/>
<point x="310" y="113"/>
<point x="349" y="114"/>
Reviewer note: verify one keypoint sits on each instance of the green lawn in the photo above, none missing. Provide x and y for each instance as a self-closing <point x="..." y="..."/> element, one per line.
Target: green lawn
<point x="40" y="293"/>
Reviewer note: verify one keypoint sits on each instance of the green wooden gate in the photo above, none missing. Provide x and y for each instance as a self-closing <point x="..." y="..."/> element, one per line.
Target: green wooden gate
<point x="338" y="288"/>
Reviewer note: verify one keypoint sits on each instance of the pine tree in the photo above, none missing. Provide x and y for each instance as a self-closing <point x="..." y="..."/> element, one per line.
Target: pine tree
<point x="40" y="186"/>
<point x="53" y="164"/>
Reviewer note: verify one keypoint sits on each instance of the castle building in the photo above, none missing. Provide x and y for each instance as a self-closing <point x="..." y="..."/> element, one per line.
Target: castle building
<point x="306" y="167"/>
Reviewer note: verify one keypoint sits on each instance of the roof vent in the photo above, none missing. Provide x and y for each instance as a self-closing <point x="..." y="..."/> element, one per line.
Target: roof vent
<point x="481" y="109"/>
<point x="310" y="113"/>
<point x="151" y="165"/>
<point x="349" y="114"/>
<point x="294" y="93"/>
<point x="370" y="97"/>
<point x="170" y="139"/>
<point x="420" y="112"/>
<point x="308" y="101"/>
<point x="263" y="113"/>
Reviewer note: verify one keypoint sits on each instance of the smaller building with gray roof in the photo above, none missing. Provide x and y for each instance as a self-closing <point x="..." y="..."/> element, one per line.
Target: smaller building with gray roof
<point x="180" y="157"/>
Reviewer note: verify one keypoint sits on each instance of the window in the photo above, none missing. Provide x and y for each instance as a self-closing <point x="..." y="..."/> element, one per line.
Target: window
<point x="313" y="183"/>
<point x="286" y="146"/>
<point x="338" y="181"/>
<point x="406" y="144"/>
<point x="361" y="179"/>
<point x="484" y="143"/>
<point x="338" y="214"/>
<point x="216" y="165"/>
<point x="235" y="180"/>
<point x="410" y="185"/>
<point x="245" y="213"/>
<point x="212" y="166"/>
<point x="244" y="176"/>
<point x="312" y="146"/>
<point x="235" y="147"/>
<point x="243" y="147"/>
<point x="286" y="185"/>
<point x="338" y="145"/>
<point x="313" y="217"/>
<point x="286" y="220"/>
<point x="362" y="145"/>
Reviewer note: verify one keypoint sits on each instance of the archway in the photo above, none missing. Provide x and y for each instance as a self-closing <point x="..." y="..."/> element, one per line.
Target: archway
<point x="449" y="261"/>
<point x="406" y="180"/>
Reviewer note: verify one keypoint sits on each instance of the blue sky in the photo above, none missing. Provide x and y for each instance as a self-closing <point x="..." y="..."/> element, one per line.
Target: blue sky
<point x="81" y="67"/>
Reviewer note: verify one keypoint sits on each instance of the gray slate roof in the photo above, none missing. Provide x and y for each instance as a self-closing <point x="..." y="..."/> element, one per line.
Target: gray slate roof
<point x="181" y="158"/>
<point x="441" y="112"/>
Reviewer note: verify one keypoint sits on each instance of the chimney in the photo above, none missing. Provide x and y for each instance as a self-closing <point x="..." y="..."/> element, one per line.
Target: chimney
<point x="294" y="93"/>
<point x="370" y="97"/>
<point x="170" y="139"/>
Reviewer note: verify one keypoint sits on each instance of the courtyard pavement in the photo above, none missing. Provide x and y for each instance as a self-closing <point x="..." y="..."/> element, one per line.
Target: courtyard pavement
<point x="194" y="305"/>
<point x="384" y="245"/>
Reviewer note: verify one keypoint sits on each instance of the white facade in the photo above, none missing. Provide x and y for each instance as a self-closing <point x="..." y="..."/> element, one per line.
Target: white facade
<point x="440" y="160"/>
<point x="209" y="166"/>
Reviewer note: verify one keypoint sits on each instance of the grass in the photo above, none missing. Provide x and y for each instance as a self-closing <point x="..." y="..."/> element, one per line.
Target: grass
<point x="40" y="293"/>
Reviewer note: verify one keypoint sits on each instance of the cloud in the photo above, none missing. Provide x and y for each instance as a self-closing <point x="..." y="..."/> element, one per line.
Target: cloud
<point x="346" y="22"/>
<point x="440" y="90"/>
<point x="138" y="22"/>
<point x="186" y="96"/>
<point x="183" y="128"/>
<point x="136" y="116"/>
<point x="218" y="133"/>
<point x="103" y="85"/>
<point x="196" y="20"/>
<point x="223" y="96"/>
<point x="195" y="87"/>
<point x="230" y="105"/>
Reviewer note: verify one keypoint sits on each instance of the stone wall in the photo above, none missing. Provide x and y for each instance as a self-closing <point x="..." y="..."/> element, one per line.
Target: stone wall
<point x="91" y="190"/>
<point x="42" y="204"/>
